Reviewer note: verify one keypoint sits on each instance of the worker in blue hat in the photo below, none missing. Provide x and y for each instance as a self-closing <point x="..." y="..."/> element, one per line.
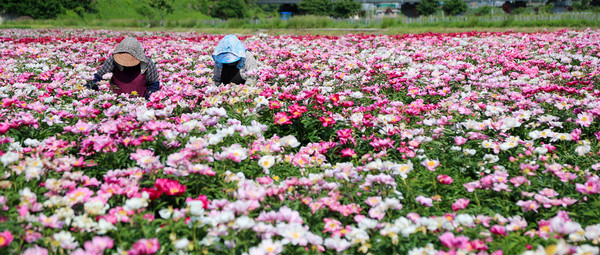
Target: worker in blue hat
<point x="232" y="61"/>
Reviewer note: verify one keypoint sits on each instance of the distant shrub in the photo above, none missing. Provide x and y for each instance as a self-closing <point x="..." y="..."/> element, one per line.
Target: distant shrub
<point x="387" y="22"/>
<point x="455" y="7"/>
<point x="307" y="21"/>
<point x="428" y="7"/>
<point x="483" y="10"/>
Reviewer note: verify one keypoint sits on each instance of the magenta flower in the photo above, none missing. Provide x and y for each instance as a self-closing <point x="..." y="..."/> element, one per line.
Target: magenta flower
<point x="6" y="237"/>
<point x="498" y="230"/>
<point x="4" y="127"/>
<point x="170" y="187"/>
<point x="345" y="135"/>
<point x="327" y="121"/>
<point x="281" y="118"/>
<point x="348" y="152"/>
<point x="444" y="179"/>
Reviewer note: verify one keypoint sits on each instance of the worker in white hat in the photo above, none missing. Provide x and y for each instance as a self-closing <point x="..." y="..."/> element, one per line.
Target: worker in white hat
<point x="133" y="72"/>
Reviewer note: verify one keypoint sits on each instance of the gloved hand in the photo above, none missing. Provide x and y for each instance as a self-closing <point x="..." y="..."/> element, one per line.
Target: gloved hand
<point x="91" y="85"/>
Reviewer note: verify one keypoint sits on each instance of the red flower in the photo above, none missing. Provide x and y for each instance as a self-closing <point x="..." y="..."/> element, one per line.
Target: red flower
<point x="202" y="198"/>
<point x="296" y="110"/>
<point x="152" y="193"/>
<point x="170" y="187"/>
<point x="327" y="121"/>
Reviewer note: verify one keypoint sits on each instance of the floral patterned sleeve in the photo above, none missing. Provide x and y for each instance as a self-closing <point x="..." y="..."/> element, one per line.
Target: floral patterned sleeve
<point x="106" y="67"/>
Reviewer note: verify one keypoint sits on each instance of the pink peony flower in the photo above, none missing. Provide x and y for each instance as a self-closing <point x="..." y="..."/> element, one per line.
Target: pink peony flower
<point x="6" y="238"/>
<point x="459" y="140"/>
<point x="170" y="187"/>
<point x="460" y="204"/>
<point x="498" y="230"/>
<point x="327" y="121"/>
<point x="445" y="179"/>
<point x="281" y="118"/>
<point x="428" y="202"/>
<point x="144" y="246"/>
<point x="348" y="152"/>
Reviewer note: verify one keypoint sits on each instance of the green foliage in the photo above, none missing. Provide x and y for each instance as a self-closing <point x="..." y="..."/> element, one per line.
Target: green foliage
<point x="428" y="7"/>
<point x="387" y="22"/>
<point x="315" y="7"/>
<point x="581" y="5"/>
<point x="483" y="10"/>
<point x="226" y="9"/>
<point x="46" y="9"/>
<point x="146" y="11"/>
<point x="521" y="11"/>
<point x="162" y="7"/>
<point x="455" y="7"/>
<point x="548" y="8"/>
<point x="307" y="21"/>
<point x="345" y="8"/>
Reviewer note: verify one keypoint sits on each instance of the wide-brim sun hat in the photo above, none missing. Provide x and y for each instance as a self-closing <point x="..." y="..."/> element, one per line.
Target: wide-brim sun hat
<point x="129" y="52"/>
<point x="227" y="58"/>
<point x="126" y="59"/>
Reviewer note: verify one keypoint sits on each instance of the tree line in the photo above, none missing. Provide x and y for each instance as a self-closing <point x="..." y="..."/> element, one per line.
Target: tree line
<point x="240" y="9"/>
<point x="221" y="9"/>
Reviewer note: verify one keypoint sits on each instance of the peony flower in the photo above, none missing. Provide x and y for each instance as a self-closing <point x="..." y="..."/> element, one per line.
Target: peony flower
<point x="348" y="152"/>
<point x="281" y="118"/>
<point x="36" y="250"/>
<point x="584" y="119"/>
<point x="445" y="179"/>
<point x="144" y="246"/>
<point x="266" y="162"/>
<point x="428" y="202"/>
<point x="6" y="238"/>
<point x="170" y="187"/>
<point x="430" y="164"/>
<point x="460" y="204"/>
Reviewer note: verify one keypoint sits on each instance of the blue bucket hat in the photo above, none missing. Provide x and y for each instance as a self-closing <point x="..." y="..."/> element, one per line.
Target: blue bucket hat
<point x="230" y="50"/>
<point x="226" y="58"/>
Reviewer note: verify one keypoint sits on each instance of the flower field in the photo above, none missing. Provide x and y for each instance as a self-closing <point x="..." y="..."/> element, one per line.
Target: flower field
<point x="467" y="143"/>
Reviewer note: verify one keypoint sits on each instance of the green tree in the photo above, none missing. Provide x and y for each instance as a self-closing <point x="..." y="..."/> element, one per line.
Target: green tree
<point x="203" y="6"/>
<point x="455" y="7"/>
<point x="548" y="8"/>
<point x="315" y="7"/>
<point x="45" y="9"/>
<point x="162" y="7"/>
<point x="345" y="8"/>
<point x="226" y="9"/>
<point x="146" y="11"/>
<point x="428" y="7"/>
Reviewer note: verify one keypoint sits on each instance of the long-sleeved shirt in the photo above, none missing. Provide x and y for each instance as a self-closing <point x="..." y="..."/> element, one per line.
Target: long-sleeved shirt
<point x="250" y="64"/>
<point x="146" y="67"/>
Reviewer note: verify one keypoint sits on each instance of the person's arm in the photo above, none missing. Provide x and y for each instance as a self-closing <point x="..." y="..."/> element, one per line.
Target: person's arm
<point x="250" y="64"/>
<point x="106" y="67"/>
<point x="217" y="75"/>
<point x="153" y="83"/>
